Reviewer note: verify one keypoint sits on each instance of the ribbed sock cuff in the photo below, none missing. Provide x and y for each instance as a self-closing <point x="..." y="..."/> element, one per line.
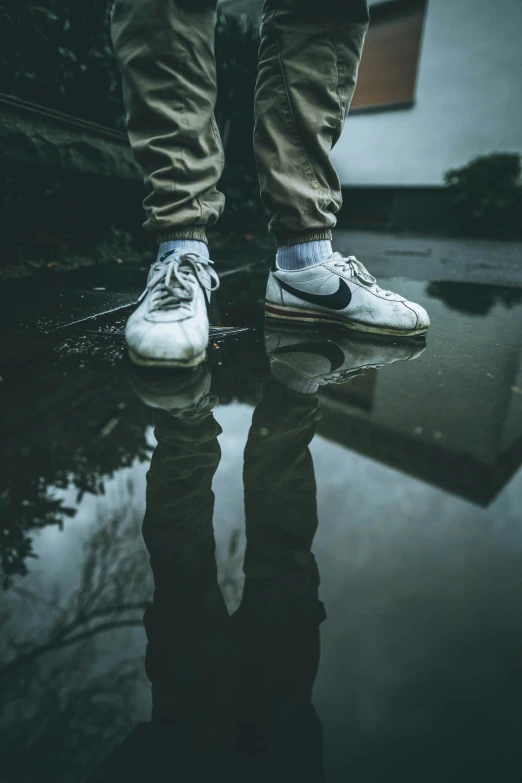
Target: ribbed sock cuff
<point x="183" y="246"/>
<point x="293" y="380"/>
<point x="292" y="257"/>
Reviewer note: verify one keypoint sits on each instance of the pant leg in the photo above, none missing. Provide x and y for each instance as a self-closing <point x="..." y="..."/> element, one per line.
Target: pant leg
<point x="165" y="50"/>
<point x="308" y="61"/>
<point x="280" y="612"/>
<point x="190" y="651"/>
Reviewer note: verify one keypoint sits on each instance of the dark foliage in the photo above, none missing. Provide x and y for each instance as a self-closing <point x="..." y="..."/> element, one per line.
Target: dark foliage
<point x="62" y="441"/>
<point x="50" y="216"/>
<point x="236" y="58"/>
<point x="57" y="53"/>
<point x="78" y="434"/>
<point x="486" y="196"/>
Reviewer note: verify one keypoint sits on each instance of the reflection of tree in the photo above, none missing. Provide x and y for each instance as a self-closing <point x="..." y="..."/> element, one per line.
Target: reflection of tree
<point x="62" y="711"/>
<point x="473" y="298"/>
<point x="84" y="426"/>
<point x="26" y="506"/>
<point x="105" y="598"/>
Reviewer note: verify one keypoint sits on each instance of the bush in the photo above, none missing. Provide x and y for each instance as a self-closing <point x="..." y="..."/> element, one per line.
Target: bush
<point x="486" y="196"/>
<point x="57" y="53"/>
<point x="237" y="42"/>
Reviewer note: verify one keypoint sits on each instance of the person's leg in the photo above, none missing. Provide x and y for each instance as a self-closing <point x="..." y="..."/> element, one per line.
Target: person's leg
<point x="165" y="50"/>
<point x="308" y="61"/>
<point x="190" y="658"/>
<point x="280" y="612"/>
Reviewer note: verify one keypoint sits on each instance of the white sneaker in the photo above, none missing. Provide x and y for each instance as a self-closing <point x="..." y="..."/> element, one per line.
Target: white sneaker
<point x="341" y="291"/>
<point x="170" y="327"/>
<point x="327" y="358"/>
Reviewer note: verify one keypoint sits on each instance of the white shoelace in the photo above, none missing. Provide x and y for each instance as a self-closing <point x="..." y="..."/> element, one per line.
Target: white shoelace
<point x="173" y="283"/>
<point x="340" y="377"/>
<point x="358" y="270"/>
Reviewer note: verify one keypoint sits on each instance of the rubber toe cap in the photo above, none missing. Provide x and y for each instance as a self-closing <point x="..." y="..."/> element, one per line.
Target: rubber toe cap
<point x="167" y="341"/>
<point x="423" y="319"/>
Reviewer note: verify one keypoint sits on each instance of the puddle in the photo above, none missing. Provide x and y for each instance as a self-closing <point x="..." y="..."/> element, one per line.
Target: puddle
<point x="337" y="575"/>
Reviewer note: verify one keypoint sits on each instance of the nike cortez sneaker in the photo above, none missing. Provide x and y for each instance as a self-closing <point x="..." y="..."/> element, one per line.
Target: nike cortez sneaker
<point x="314" y="357"/>
<point x="340" y="291"/>
<point x="170" y="327"/>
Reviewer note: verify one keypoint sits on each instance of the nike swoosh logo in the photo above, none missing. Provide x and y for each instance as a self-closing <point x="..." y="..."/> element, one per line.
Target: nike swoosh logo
<point x="336" y="301"/>
<point x="329" y="351"/>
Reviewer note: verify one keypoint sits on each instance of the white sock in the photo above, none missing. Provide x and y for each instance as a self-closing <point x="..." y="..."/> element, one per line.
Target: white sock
<point x="184" y="246"/>
<point x="304" y="254"/>
<point x="292" y="379"/>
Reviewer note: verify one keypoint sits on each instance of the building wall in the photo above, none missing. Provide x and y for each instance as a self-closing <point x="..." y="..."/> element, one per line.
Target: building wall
<point x="467" y="100"/>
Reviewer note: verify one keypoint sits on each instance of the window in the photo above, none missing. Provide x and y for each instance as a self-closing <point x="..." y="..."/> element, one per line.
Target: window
<point x="388" y="69"/>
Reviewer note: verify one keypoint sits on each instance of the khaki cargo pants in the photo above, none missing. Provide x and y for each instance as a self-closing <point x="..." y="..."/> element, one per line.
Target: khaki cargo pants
<point x="308" y="61"/>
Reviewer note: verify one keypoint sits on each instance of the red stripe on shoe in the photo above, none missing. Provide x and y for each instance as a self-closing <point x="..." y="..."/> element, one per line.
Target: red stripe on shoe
<point x="294" y="314"/>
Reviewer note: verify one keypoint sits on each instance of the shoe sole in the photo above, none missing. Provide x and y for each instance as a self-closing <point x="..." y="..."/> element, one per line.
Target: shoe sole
<point x="288" y="315"/>
<point x="143" y="361"/>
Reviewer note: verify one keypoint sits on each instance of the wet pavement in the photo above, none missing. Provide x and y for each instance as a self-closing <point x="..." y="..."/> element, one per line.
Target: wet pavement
<point x="369" y="630"/>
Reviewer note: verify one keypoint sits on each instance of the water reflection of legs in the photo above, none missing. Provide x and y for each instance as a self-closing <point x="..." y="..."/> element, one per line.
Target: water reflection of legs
<point x="231" y="695"/>
<point x="280" y="611"/>
<point x="189" y="653"/>
<point x="191" y="657"/>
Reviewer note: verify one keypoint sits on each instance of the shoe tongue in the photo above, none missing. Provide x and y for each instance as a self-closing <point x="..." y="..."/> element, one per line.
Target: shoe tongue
<point x="162" y="266"/>
<point x="173" y="295"/>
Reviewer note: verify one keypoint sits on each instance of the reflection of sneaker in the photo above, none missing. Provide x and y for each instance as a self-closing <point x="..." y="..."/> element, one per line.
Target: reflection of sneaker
<point x="185" y="395"/>
<point x="341" y="291"/>
<point x="337" y="359"/>
<point x="170" y="327"/>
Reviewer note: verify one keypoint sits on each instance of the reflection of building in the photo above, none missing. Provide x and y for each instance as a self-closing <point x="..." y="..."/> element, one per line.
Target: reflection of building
<point x="437" y="86"/>
<point x="453" y="419"/>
